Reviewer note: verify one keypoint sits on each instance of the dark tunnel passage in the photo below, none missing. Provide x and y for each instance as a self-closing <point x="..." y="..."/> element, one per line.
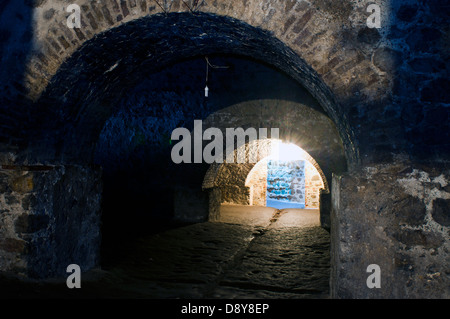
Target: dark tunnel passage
<point x="142" y="185"/>
<point x="90" y="116"/>
<point x="108" y="128"/>
<point x="119" y="114"/>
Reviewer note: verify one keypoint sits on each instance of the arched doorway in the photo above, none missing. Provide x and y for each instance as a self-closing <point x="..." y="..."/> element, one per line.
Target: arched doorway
<point x="88" y="94"/>
<point x="53" y="190"/>
<point x="288" y="178"/>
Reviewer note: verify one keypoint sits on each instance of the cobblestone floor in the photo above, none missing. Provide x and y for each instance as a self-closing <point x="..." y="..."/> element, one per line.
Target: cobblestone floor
<point x="251" y="253"/>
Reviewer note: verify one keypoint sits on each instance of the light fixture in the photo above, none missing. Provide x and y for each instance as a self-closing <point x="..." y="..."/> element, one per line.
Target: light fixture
<point x="207" y="73"/>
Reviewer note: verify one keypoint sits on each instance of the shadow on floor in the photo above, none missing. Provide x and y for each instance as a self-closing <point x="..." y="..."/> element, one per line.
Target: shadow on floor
<point x="254" y="252"/>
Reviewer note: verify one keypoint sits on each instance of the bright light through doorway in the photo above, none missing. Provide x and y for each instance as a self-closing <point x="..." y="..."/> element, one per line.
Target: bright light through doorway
<point x="286" y="151"/>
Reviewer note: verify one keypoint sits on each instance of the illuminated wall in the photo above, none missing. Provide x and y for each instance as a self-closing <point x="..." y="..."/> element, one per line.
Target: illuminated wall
<point x="313" y="185"/>
<point x="286" y="183"/>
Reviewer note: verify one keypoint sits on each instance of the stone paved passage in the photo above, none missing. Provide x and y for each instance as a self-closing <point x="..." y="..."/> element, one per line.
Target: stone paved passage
<point x="288" y="258"/>
<point x="252" y="252"/>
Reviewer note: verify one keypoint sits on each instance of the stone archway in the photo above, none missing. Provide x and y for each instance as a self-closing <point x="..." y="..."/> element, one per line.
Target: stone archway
<point x="297" y="38"/>
<point x="391" y="135"/>
<point x="299" y="123"/>
<point x="85" y="90"/>
<point x="154" y="49"/>
<point x="228" y="182"/>
<point x="314" y="184"/>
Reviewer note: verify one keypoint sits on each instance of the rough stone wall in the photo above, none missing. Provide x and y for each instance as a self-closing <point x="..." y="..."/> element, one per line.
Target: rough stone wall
<point x="395" y="216"/>
<point x="257" y="181"/>
<point x="232" y="186"/>
<point x="286" y="181"/>
<point x="387" y="90"/>
<point x="395" y="103"/>
<point x="50" y="218"/>
<point x="235" y="194"/>
<point x="55" y="44"/>
<point x="313" y="185"/>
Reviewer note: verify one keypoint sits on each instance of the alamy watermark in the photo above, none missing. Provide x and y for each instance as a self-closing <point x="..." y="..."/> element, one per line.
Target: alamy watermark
<point x="74" y="280"/>
<point x="235" y="138"/>
<point x="374" y="280"/>
<point x="374" y="20"/>
<point x="74" y="19"/>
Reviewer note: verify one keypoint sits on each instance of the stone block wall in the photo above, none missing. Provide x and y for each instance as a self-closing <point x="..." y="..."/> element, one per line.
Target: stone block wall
<point x="257" y="181"/>
<point x="286" y="181"/>
<point x="235" y="194"/>
<point x="50" y="218"/>
<point x="232" y="185"/>
<point x="313" y="185"/>
<point x="395" y="216"/>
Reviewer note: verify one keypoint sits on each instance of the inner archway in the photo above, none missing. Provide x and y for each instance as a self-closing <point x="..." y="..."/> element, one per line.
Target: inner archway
<point x="134" y="145"/>
<point x="286" y="179"/>
<point x="273" y="173"/>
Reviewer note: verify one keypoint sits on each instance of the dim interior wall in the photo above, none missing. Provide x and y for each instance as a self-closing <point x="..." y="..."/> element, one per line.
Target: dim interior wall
<point x="50" y="218"/>
<point x="190" y="204"/>
<point x="214" y="202"/>
<point x="325" y="209"/>
<point x="395" y="216"/>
